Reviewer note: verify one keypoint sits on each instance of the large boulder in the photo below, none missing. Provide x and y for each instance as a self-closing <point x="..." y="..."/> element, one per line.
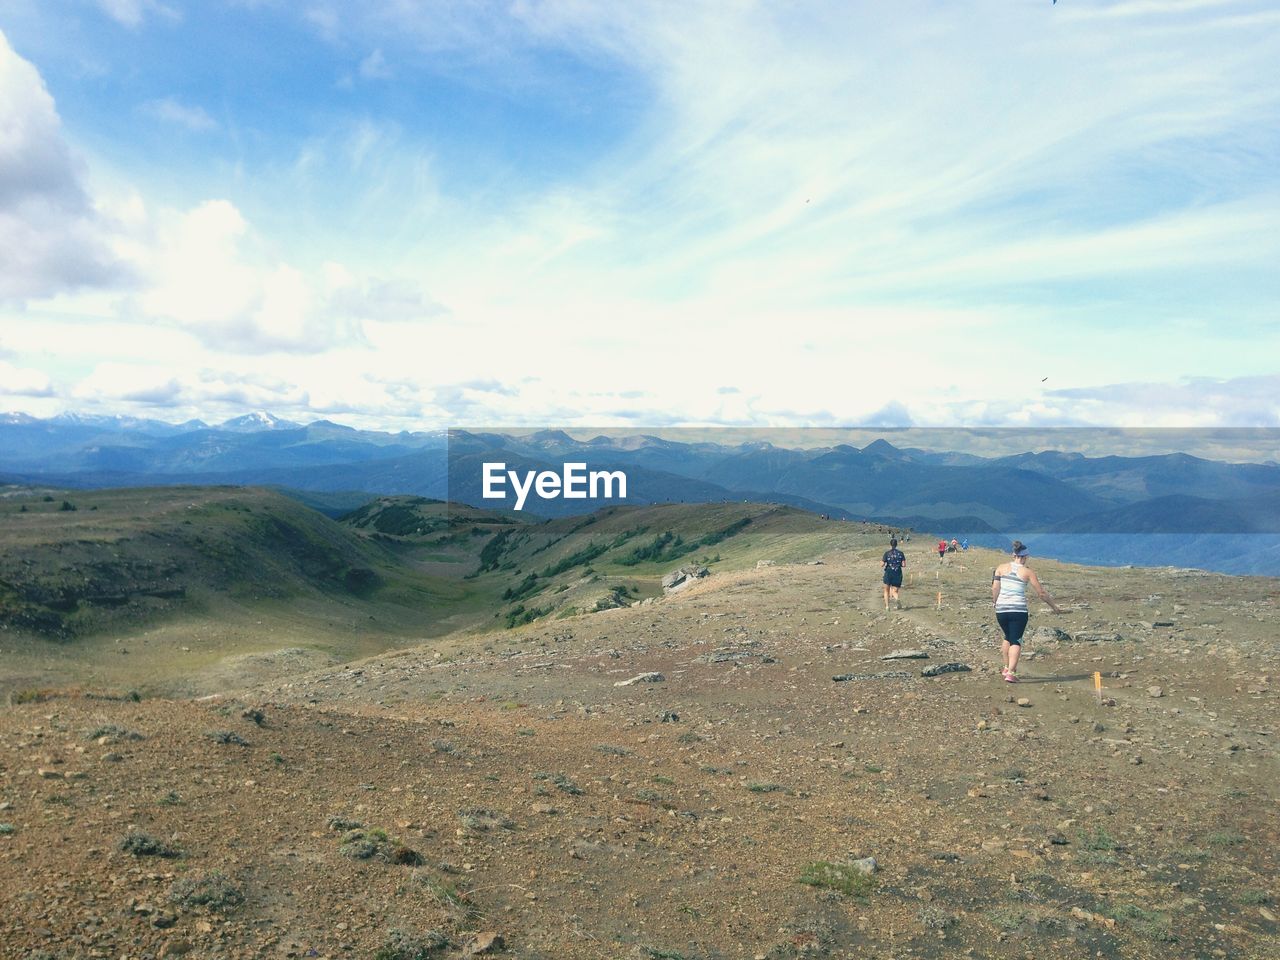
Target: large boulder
<point x="679" y="579"/>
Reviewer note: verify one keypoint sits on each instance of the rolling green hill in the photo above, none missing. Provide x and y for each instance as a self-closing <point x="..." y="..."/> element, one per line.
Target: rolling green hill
<point x="83" y="563"/>
<point x="173" y="588"/>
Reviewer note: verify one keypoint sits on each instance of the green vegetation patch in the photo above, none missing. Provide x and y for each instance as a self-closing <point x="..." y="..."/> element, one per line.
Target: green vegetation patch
<point x="400" y="945"/>
<point x="145" y="845"/>
<point x="841" y="877"/>
<point x="211" y="889"/>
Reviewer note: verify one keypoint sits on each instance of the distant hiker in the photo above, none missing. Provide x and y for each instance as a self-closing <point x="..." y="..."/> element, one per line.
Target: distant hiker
<point x="1009" y="592"/>
<point x="964" y="544"/>
<point x="892" y="562"/>
<point x="954" y="546"/>
<point x="942" y="550"/>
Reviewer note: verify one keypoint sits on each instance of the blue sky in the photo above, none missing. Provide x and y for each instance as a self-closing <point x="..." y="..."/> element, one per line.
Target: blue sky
<point x="405" y="214"/>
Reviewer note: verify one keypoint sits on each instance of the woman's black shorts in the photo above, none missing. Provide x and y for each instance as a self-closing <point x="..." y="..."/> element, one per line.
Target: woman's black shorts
<point x="893" y="578"/>
<point x="1014" y="624"/>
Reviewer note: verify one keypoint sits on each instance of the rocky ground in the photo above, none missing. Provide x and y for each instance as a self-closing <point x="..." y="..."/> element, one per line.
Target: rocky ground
<point x="516" y="795"/>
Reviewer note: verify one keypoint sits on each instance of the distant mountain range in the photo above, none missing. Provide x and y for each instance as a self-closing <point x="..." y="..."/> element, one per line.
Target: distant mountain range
<point x="955" y="493"/>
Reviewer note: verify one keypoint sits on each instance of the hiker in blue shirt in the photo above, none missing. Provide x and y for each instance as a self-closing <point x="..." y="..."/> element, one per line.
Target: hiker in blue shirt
<point x="893" y="562"/>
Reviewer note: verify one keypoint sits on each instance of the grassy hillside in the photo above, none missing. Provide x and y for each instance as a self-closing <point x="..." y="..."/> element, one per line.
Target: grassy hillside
<point x="191" y="588"/>
<point x="619" y="555"/>
<point x="149" y="588"/>
<point x="102" y="561"/>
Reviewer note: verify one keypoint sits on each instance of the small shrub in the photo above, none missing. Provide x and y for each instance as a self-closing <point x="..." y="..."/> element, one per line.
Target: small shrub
<point x="1226" y="838"/>
<point x="358" y="847"/>
<point x="113" y="733"/>
<point x="29" y="695"/>
<point x="1098" y="840"/>
<point x="1145" y="923"/>
<point x="841" y="877"/>
<point x="170" y="799"/>
<point x="562" y="783"/>
<point x="481" y="819"/>
<point x="145" y="845"/>
<point x="226" y="737"/>
<point x="343" y="824"/>
<point x="6" y="829"/>
<point x="1007" y="919"/>
<point x="765" y="787"/>
<point x="210" y="889"/>
<point x="934" y="918"/>
<point x="611" y="751"/>
<point x="443" y="746"/>
<point x="411" y="946"/>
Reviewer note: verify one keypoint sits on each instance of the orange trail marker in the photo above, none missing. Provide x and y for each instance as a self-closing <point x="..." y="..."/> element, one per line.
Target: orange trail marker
<point x="939" y="599"/>
<point x="1097" y="685"/>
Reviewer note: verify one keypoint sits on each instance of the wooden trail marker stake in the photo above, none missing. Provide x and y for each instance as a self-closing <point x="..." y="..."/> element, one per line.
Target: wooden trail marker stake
<point x="939" y="599"/>
<point x="1097" y="685"/>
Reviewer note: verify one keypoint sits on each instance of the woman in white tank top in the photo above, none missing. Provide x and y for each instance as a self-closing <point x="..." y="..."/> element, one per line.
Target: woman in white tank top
<point x="1009" y="593"/>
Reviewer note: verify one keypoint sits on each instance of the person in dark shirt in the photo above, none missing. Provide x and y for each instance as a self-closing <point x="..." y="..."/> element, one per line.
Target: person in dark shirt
<point x="893" y="562"/>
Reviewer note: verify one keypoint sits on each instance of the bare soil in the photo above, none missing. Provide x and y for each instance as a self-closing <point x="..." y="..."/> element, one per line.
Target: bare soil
<point x="506" y="784"/>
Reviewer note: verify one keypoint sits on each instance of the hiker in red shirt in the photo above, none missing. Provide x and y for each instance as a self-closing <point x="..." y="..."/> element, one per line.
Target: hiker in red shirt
<point x="942" y="550"/>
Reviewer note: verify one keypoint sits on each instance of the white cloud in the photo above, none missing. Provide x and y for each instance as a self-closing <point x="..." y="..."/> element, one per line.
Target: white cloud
<point x="18" y="381"/>
<point x="170" y="110"/>
<point x="208" y="272"/>
<point x="51" y="237"/>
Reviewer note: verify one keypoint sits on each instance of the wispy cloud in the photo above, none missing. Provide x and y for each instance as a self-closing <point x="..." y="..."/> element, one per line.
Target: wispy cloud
<point x="908" y="212"/>
<point x="170" y="110"/>
<point x="375" y="67"/>
<point x="131" y="13"/>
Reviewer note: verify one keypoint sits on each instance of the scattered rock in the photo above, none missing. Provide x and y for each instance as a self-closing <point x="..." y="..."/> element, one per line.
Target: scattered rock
<point x="906" y="654"/>
<point x="485" y="942"/>
<point x="651" y="677"/>
<point x="1098" y="636"/>
<point x="939" y="669"/>
<point x="1045" y="633"/>
<point x="887" y="675"/>
<point x="1155" y="691"/>
<point x="1024" y="701"/>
